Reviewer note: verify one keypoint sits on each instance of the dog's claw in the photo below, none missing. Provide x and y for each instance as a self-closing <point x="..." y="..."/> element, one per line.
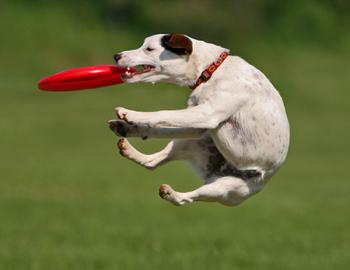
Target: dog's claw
<point x="124" y="117"/>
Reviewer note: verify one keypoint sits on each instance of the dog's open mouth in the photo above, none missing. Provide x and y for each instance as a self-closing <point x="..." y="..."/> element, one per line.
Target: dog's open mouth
<point x="137" y="70"/>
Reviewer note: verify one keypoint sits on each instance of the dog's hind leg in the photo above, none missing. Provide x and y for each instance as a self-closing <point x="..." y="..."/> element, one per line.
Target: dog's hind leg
<point x="227" y="190"/>
<point x="175" y="150"/>
<point x="223" y="182"/>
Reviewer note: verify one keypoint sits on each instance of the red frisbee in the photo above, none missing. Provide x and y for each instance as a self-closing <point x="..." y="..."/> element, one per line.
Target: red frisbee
<point x="83" y="78"/>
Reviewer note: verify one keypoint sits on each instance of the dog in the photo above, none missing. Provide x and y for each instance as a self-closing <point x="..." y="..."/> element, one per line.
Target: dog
<point x="234" y="132"/>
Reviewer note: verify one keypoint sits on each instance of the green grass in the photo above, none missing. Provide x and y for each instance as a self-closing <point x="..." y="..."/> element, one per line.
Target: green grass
<point x="69" y="201"/>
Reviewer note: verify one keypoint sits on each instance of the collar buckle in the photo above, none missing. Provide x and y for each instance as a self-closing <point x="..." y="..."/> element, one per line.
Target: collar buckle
<point x="205" y="76"/>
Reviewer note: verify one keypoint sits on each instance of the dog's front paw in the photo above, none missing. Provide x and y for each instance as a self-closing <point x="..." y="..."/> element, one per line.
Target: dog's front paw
<point x="124" y="129"/>
<point x="123" y="114"/>
<point x="120" y="127"/>
<point x="133" y="117"/>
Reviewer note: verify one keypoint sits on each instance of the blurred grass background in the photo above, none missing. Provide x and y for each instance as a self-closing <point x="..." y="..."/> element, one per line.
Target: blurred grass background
<point x="69" y="201"/>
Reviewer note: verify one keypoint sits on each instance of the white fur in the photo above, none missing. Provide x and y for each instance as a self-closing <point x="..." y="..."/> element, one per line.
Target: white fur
<point x="237" y="113"/>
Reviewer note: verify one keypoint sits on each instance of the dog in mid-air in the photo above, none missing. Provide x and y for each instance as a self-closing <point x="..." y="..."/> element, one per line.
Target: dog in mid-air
<point x="234" y="132"/>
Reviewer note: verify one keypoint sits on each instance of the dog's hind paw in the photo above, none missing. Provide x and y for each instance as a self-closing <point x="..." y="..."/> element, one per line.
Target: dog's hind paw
<point x="125" y="148"/>
<point x="164" y="191"/>
<point x="170" y="195"/>
<point x="122" y="146"/>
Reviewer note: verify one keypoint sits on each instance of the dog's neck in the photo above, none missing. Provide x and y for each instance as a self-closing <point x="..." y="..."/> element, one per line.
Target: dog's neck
<point x="204" y="55"/>
<point x="209" y="71"/>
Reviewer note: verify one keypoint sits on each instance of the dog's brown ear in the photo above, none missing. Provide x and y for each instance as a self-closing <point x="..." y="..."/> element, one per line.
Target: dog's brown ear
<point x="177" y="43"/>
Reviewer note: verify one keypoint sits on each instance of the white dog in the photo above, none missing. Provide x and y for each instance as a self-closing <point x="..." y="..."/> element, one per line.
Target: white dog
<point x="234" y="132"/>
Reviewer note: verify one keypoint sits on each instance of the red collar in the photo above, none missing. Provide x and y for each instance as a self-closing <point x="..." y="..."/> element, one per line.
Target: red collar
<point x="208" y="72"/>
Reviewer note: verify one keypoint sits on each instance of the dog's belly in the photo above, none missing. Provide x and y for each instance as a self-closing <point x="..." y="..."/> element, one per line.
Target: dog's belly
<point x="255" y="138"/>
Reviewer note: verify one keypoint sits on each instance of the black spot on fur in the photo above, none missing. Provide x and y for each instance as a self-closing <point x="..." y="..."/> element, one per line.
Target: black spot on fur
<point x="218" y="166"/>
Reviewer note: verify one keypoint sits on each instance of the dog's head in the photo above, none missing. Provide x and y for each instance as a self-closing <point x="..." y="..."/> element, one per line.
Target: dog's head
<point x="160" y="58"/>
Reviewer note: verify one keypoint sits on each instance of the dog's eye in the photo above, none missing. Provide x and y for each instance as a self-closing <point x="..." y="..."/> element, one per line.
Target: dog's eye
<point x="149" y="49"/>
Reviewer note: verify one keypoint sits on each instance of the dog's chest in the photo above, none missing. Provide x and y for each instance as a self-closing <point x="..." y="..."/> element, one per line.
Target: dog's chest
<point x="200" y="95"/>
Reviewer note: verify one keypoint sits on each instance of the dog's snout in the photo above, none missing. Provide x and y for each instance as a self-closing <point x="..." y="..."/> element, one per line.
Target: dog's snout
<point x="117" y="57"/>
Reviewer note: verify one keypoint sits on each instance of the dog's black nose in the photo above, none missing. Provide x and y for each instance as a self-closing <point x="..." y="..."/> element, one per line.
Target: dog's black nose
<point x="117" y="57"/>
